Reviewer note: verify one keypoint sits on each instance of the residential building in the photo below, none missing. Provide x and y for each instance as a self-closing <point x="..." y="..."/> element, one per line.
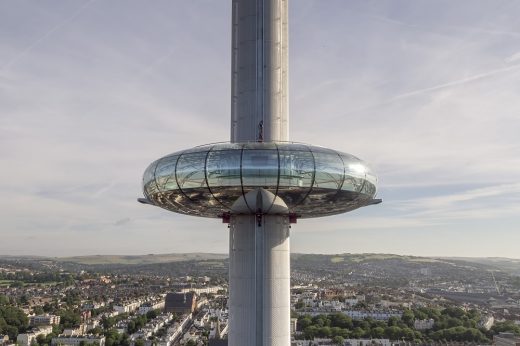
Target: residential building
<point x="127" y="306"/>
<point x="149" y="306"/>
<point x="26" y="339"/>
<point x="77" y="340"/>
<point x="200" y="290"/>
<point x="423" y="324"/>
<point x="382" y="315"/>
<point x="39" y="320"/>
<point x="367" y="342"/>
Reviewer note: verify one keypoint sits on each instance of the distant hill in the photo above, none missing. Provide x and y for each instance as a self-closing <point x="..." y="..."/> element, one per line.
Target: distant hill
<point x="358" y="258"/>
<point x="500" y="263"/>
<point x="140" y="259"/>
<point x="490" y="263"/>
<point x="349" y="266"/>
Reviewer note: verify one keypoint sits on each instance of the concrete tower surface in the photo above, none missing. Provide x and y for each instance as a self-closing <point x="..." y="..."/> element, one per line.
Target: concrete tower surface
<point x="259" y="256"/>
<point x="259" y="182"/>
<point x="260" y="64"/>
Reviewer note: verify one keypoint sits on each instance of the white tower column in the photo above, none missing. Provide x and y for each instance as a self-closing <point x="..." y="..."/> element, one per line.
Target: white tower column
<point x="259" y="275"/>
<point x="259" y="71"/>
<point x="259" y="263"/>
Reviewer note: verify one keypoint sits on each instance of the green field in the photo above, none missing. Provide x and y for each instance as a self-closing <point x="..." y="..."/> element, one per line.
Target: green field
<point x="6" y="282"/>
<point x="337" y="259"/>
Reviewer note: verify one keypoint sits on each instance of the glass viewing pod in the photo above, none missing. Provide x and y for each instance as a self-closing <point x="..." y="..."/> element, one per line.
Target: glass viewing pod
<point x="207" y="180"/>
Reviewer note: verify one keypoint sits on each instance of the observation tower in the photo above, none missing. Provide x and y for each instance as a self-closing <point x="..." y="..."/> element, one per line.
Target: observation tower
<point x="259" y="182"/>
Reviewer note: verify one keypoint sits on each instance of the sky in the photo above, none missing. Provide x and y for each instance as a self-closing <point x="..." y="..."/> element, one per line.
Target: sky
<point x="426" y="92"/>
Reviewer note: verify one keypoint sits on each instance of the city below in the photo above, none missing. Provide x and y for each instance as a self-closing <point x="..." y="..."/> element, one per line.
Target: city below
<point x="182" y="299"/>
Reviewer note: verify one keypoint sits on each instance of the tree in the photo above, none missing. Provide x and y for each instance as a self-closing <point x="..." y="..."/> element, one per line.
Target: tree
<point x="96" y="331"/>
<point x="40" y="339"/>
<point x="455" y="312"/>
<point x="38" y="310"/>
<point x="4" y="300"/>
<point x="408" y="317"/>
<point x="303" y="322"/>
<point x="506" y="326"/>
<point x="320" y="320"/>
<point x="393" y="332"/>
<point x="393" y="321"/>
<point x="124" y="340"/>
<point x="341" y="321"/>
<point x="11" y="331"/>
<point x="408" y="334"/>
<point x="358" y="333"/>
<point x="12" y="321"/>
<point x="131" y="327"/>
<point x="324" y="332"/>
<point x="150" y="315"/>
<point x="378" y="332"/>
<point x="338" y="340"/>
<point x="310" y="332"/>
<point x="69" y="318"/>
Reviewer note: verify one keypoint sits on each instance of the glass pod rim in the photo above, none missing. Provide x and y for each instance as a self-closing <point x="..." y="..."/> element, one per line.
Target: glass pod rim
<point x="313" y="180"/>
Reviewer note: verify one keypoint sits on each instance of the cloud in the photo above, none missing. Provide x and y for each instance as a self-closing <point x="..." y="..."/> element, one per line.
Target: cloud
<point x="483" y="203"/>
<point x="45" y="36"/>
<point x="457" y="82"/>
<point x="122" y="222"/>
<point x="513" y="58"/>
<point x="448" y="201"/>
<point x="91" y="95"/>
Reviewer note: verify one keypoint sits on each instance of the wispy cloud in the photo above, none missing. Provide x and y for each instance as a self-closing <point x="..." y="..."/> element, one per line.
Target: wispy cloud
<point x="457" y="82"/>
<point x="90" y="95"/>
<point x="513" y="58"/>
<point x="45" y="36"/>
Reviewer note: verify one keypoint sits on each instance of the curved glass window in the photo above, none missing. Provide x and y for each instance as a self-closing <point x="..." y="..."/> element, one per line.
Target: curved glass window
<point x="354" y="173"/>
<point x="371" y="181"/>
<point x="260" y="169"/>
<point x="190" y="172"/>
<point x="223" y="174"/>
<point x="296" y="175"/>
<point x="311" y="181"/>
<point x="150" y="186"/>
<point x="330" y="170"/>
<point x="165" y="173"/>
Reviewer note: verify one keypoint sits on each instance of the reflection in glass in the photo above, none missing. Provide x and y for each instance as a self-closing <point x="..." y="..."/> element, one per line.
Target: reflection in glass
<point x="207" y="180"/>
<point x="165" y="173"/>
<point x="190" y="170"/>
<point x="223" y="174"/>
<point x="296" y="176"/>
<point x="260" y="169"/>
<point x="329" y="169"/>
<point x="150" y="186"/>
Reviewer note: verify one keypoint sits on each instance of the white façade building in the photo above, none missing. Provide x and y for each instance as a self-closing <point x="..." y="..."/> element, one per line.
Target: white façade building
<point x="423" y="324"/>
<point x="127" y="306"/>
<point x="40" y="320"/>
<point x="149" y="306"/>
<point x="77" y="340"/>
<point x="26" y="339"/>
